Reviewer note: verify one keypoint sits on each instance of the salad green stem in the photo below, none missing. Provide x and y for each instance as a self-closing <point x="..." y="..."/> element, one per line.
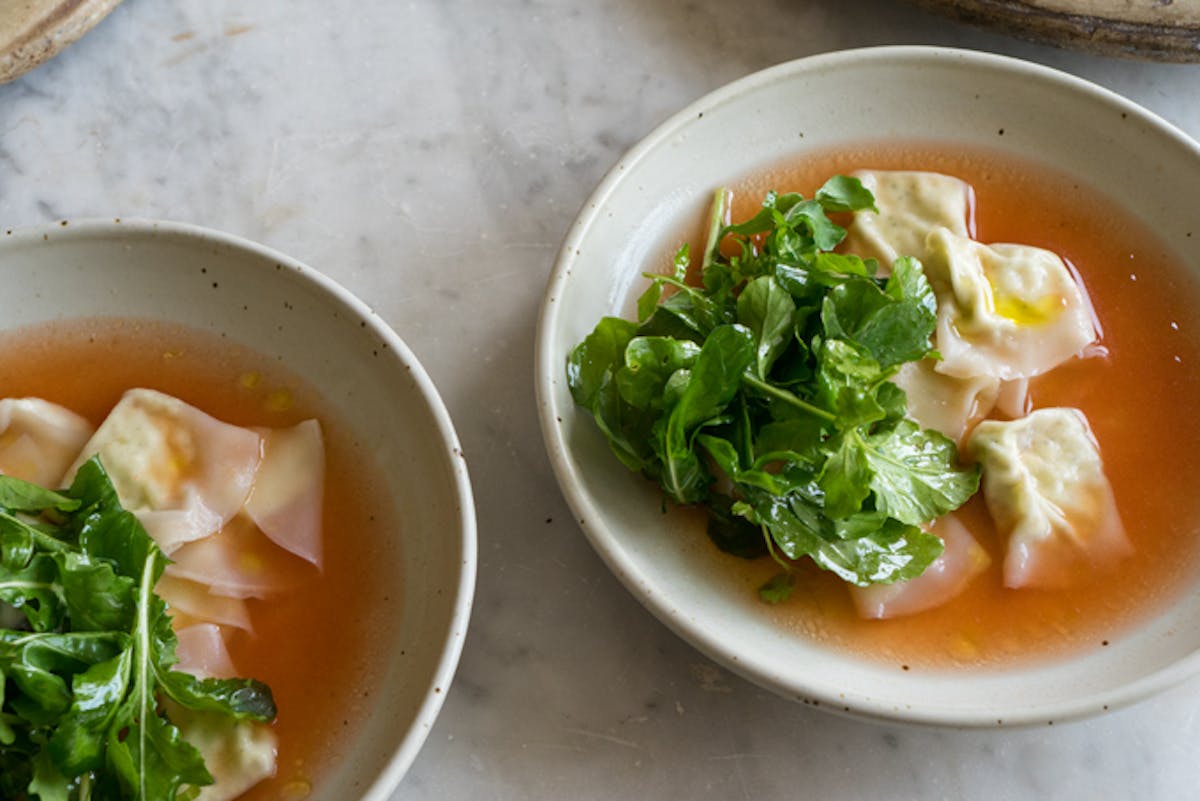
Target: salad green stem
<point x="764" y="391"/>
<point x="787" y="397"/>
<point x="718" y="218"/>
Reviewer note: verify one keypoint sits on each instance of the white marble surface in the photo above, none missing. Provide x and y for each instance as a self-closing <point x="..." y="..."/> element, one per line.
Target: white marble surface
<point x="430" y="154"/>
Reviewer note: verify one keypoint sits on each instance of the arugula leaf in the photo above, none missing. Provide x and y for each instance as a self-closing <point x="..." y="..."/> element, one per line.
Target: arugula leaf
<point x="846" y="193"/>
<point x="848" y="378"/>
<point x="81" y="713"/>
<point x="48" y="784"/>
<point x="914" y="477"/>
<point x="894" y="323"/>
<point x="35" y="590"/>
<point x="908" y="283"/>
<point x="894" y="403"/>
<point x="695" y="311"/>
<point x="766" y="219"/>
<point x="732" y="533"/>
<point x="774" y="374"/>
<point x="793" y="242"/>
<point x="21" y="496"/>
<point x="143" y="749"/>
<point x="629" y="430"/>
<point x="778" y="588"/>
<point x="648" y="301"/>
<point x="649" y="364"/>
<point x="769" y="311"/>
<point x="593" y="361"/>
<point x="889" y="551"/>
<point x="726" y="458"/>
<point x="704" y="393"/>
<point x="844" y="265"/>
<point x="592" y="372"/>
<point x="893" y="552"/>
<point x="846" y="477"/>
<point x="78" y="742"/>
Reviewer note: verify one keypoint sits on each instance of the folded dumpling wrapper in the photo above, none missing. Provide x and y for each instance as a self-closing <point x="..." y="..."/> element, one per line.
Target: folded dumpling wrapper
<point x="221" y="501"/>
<point x="193" y="602"/>
<point x="186" y="475"/>
<point x="1005" y="311"/>
<point x="183" y="472"/>
<point x="202" y="652"/>
<point x="962" y="560"/>
<point x="911" y="204"/>
<point x="945" y="403"/>
<point x="1045" y="487"/>
<point x="286" y="500"/>
<point x="39" y="440"/>
<point x="1013" y="399"/>
<point x="239" y="561"/>
<point x="237" y="755"/>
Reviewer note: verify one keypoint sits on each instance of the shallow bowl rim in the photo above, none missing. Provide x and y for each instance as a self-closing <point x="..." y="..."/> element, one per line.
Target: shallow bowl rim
<point x="548" y="369"/>
<point x="462" y="593"/>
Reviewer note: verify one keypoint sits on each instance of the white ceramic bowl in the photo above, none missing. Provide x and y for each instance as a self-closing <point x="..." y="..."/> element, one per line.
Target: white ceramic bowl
<point x="278" y="307"/>
<point x="663" y="186"/>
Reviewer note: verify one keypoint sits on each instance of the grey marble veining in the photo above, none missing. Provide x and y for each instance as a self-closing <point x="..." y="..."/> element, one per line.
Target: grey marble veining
<point x="430" y="155"/>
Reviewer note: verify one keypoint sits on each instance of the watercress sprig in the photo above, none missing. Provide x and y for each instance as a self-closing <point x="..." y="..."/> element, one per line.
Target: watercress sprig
<point x="82" y="683"/>
<point x="773" y="371"/>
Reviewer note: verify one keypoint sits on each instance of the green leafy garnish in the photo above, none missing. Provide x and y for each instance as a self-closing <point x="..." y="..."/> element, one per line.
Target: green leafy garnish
<point x="81" y="690"/>
<point x="774" y="373"/>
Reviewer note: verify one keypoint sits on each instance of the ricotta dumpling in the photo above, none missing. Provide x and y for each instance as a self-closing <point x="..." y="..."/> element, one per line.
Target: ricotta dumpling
<point x="1005" y="311"/>
<point x="184" y="473"/>
<point x="238" y="755"/>
<point x="287" y="498"/>
<point x="945" y="403"/>
<point x="911" y="204"/>
<point x="39" y="440"/>
<point x="1045" y="487"/>
<point x="962" y="560"/>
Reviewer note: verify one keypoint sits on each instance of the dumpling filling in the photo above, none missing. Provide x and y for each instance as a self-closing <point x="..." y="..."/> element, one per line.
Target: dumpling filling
<point x="184" y="473"/>
<point x="911" y="204"/>
<point x="1044" y="483"/>
<point x="1006" y="311"/>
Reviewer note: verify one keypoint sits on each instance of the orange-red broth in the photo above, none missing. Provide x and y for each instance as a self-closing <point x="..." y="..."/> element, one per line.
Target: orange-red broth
<point x="311" y="644"/>
<point x="1139" y="400"/>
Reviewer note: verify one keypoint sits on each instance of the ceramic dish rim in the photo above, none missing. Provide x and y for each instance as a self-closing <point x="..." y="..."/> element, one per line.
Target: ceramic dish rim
<point x="434" y="695"/>
<point x="548" y="369"/>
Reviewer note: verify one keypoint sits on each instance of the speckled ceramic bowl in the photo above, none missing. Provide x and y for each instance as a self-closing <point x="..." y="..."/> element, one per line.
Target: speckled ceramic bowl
<point x="283" y="309"/>
<point x="664" y="184"/>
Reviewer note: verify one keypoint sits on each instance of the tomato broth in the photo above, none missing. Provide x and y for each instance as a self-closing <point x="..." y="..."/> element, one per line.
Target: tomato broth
<point x="1138" y="395"/>
<point x="311" y="644"/>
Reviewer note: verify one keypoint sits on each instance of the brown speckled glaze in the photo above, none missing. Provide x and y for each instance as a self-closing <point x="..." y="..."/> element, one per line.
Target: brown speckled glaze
<point x="1157" y="30"/>
<point x="33" y="31"/>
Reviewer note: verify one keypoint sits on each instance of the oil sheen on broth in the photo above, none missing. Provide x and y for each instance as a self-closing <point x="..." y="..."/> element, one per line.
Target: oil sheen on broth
<point x="1138" y="397"/>
<point x="312" y="644"/>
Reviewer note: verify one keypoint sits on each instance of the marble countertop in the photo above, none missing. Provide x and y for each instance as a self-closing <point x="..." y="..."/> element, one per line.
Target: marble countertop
<point x="430" y="155"/>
